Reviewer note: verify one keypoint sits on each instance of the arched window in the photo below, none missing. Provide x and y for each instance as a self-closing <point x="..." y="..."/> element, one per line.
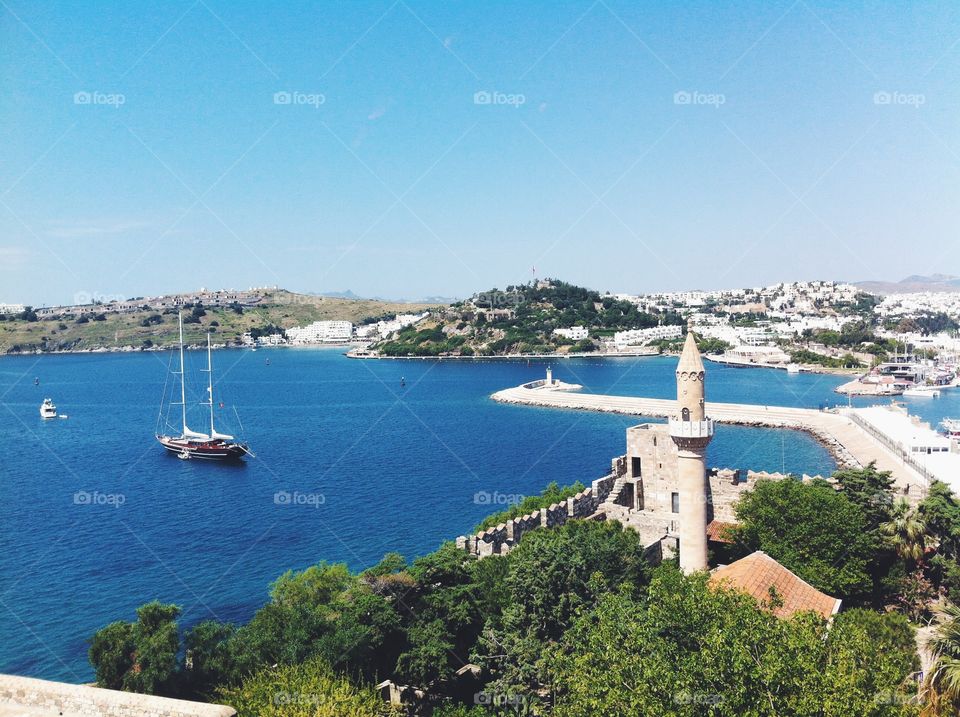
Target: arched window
<point x="685" y="414"/>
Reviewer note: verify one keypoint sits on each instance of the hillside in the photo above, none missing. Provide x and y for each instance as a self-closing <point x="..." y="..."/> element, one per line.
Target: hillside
<point x="117" y="331"/>
<point x="912" y="284"/>
<point x="522" y="320"/>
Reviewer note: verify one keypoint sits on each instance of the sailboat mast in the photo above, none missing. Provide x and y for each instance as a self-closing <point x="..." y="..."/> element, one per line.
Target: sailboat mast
<point x="183" y="385"/>
<point x="210" y="385"/>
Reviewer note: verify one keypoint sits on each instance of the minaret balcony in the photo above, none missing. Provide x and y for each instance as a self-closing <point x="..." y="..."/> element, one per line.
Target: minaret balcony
<point x="691" y="429"/>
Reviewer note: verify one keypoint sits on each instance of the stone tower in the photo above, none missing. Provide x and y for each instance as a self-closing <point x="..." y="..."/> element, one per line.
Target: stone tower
<point x="691" y="430"/>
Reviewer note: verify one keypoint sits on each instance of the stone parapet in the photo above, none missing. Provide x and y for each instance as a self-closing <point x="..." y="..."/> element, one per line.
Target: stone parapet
<point x="39" y="698"/>
<point x="504" y="537"/>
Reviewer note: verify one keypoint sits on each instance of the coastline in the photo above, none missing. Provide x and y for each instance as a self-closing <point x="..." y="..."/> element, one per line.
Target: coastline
<point x="804" y="367"/>
<point x="172" y="347"/>
<point x="514" y="357"/>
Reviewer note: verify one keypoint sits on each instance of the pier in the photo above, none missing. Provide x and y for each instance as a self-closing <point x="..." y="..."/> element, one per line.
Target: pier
<point x="848" y="442"/>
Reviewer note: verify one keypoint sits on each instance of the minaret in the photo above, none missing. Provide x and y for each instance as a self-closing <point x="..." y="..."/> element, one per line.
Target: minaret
<point x="691" y="430"/>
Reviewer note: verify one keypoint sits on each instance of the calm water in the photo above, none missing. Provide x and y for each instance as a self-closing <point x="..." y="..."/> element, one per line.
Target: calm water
<point x="369" y="466"/>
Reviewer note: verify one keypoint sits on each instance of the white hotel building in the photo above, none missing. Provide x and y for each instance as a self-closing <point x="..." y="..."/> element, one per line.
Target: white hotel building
<point x="639" y="337"/>
<point x="320" y="332"/>
<point x="574" y="333"/>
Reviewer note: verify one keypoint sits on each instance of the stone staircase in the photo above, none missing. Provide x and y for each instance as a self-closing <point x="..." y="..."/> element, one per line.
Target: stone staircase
<point x="614" y="497"/>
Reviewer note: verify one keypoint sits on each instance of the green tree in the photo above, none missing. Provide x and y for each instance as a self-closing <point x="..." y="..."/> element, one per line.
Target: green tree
<point x="308" y="689"/>
<point x="443" y="616"/>
<point x="209" y="659"/>
<point x="811" y="529"/>
<point x="322" y="611"/>
<point x="111" y="654"/>
<point x="688" y="649"/>
<point x="554" y="574"/>
<point x="870" y="489"/>
<point x="940" y="511"/>
<point x="942" y="684"/>
<point x="140" y="656"/>
<point x="907" y="532"/>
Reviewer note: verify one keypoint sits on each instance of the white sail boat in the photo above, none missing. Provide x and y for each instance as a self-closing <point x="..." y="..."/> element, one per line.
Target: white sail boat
<point x="195" y="444"/>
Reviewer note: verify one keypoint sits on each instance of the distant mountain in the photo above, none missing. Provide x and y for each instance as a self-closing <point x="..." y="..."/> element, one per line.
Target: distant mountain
<point x="421" y="300"/>
<point x="340" y="295"/>
<point x="911" y="284"/>
<point x="348" y="294"/>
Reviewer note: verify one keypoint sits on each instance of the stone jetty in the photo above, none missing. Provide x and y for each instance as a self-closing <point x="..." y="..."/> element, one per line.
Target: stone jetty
<point x="850" y="445"/>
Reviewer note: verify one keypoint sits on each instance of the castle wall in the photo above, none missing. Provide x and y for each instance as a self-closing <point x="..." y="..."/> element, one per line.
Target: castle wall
<point x="40" y="698"/>
<point x="725" y="486"/>
<point x="501" y="539"/>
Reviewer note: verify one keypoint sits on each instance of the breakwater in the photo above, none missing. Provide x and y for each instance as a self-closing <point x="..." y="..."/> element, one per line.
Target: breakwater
<point x="848" y="443"/>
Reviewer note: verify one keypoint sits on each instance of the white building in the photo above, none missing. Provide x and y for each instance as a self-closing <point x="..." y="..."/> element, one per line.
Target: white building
<point x="757" y="355"/>
<point x="321" y="332"/>
<point x="12" y="308"/>
<point x="918" y="443"/>
<point x="639" y="337"/>
<point x="574" y="333"/>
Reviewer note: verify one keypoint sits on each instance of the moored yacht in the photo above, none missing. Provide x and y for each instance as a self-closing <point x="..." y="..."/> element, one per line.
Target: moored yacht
<point x="922" y="392"/>
<point x="47" y="409"/>
<point x="195" y="444"/>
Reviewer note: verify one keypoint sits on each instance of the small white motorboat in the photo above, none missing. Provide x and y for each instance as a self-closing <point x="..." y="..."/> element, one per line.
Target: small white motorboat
<point x="47" y="409"/>
<point x="922" y="392"/>
<point x="951" y="428"/>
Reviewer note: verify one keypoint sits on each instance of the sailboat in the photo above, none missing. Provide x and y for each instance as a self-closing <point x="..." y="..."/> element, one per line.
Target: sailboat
<point x="212" y="446"/>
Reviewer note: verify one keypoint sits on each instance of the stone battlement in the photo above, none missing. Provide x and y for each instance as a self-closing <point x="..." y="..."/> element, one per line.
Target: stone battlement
<point x="502" y="538"/>
<point x="726" y="487"/>
<point x="43" y="698"/>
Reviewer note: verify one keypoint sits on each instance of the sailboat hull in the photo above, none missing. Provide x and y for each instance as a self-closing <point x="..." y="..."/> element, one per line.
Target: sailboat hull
<point x="210" y="450"/>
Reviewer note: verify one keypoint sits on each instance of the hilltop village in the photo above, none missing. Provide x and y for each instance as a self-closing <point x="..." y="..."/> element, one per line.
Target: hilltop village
<point x="887" y="344"/>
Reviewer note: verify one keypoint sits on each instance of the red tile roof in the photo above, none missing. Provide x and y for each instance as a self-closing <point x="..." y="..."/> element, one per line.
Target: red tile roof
<point x="757" y="573"/>
<point x="716" y="531"/>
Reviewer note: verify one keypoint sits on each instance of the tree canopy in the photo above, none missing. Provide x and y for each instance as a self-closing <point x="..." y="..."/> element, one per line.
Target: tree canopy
<point x="810" y="528"/>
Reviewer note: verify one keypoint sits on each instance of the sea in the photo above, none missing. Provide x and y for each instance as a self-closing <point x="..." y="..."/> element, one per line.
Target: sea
<point x="353" y="459"/>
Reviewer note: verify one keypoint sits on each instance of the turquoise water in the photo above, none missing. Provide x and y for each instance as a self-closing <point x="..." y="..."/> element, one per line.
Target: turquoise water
<point x="97" y="519"/>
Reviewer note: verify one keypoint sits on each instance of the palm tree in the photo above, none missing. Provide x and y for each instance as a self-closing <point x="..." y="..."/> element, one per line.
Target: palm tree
<point x="906" y="531"/>
<point x="942" y="684"/>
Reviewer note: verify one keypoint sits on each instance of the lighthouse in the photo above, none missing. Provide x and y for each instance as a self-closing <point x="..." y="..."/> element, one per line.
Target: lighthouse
<point x="691" y="431"/>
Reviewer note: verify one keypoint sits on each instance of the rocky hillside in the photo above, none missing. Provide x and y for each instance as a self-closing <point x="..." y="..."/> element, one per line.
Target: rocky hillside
<point x="149" y="328"/>
<point x="521" y="320"/>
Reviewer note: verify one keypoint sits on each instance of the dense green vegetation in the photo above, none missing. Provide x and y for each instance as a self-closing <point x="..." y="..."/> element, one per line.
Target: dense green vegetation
<point x="805" y="356"/>
<point x="522" y="320"/>
<point x="812" y="529"/>
<point x="688" y="649"/>
<point x="573" y="621"/>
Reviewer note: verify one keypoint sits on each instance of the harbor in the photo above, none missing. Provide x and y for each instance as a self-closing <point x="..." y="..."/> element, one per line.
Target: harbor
<point x="912" y="451"/>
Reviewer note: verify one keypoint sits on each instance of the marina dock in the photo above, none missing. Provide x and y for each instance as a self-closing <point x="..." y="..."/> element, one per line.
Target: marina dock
<point x="849" y="442"/>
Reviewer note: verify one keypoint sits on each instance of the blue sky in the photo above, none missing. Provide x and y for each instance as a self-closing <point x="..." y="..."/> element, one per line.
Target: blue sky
<point x="621" y="145"/>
